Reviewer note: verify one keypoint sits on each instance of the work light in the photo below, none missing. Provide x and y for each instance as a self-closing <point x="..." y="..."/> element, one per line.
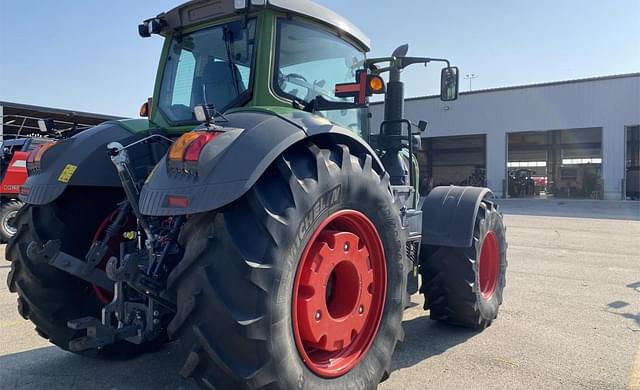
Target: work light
<point x="201" y="113"/>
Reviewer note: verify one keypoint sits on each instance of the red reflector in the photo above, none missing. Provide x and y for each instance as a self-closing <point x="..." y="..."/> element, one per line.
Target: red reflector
<point x="177" y="201"/>
<point x="192" y="154"/>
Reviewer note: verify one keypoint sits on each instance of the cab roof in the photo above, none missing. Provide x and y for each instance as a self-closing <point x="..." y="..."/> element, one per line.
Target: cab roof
<point x="196" y="11"/>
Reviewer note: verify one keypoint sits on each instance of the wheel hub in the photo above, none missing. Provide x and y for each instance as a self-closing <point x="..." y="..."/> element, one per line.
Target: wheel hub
<point x="339" y="293"/>
<point x="335" y="292"/>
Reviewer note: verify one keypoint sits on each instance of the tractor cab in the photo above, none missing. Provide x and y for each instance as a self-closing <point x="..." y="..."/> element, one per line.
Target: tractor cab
<point x="282" y="57"/>
<point x="218" y="53"/>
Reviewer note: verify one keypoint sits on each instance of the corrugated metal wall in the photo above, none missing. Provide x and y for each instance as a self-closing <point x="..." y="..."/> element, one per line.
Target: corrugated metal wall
<point x="610" y="102"/>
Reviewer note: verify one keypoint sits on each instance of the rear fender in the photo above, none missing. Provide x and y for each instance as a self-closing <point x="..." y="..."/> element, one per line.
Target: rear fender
<point x="231" y="164"/>
<point x="449" y="214"/>
<point x="82" y="160"/>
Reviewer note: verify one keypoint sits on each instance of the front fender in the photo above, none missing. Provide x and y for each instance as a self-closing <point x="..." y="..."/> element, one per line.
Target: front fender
<point x="230" y="165"/>
<point x="82" y="160"/>
<point x="449" y="214"/>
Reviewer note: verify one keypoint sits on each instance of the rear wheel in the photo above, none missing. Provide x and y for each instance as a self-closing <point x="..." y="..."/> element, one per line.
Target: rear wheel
<point x="463" y="286"/>
<point x="339" y="293"/>
<point x="8" y="213"/>
<point x="49" y="297"/>
<point x="299" y="284"/>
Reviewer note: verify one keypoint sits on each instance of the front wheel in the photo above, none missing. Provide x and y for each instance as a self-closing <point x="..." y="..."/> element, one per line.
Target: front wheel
<point x="463" y="286"/>
<point x="299" y="284"/>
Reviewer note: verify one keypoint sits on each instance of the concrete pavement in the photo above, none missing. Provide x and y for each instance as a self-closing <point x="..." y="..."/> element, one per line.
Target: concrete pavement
<point x="570" y="320"/>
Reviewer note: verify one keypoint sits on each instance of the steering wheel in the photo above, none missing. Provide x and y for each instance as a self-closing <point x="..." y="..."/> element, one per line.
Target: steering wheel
<point x="313" y="90"/>
<point x="295" y="76"/>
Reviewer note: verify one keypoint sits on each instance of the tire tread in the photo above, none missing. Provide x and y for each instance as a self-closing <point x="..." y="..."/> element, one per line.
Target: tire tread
<point x="237" y="311"/>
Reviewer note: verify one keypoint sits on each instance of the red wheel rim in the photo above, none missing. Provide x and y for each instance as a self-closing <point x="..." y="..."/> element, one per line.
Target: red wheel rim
<point x="489" y="265"/>
<point x="339" y="293"/>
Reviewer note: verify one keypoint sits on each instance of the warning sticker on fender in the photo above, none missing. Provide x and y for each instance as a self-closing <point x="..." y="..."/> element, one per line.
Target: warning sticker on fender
<point x="66" y="173"/>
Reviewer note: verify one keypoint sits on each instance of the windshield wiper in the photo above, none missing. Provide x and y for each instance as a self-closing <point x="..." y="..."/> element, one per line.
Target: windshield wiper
<point x="228" y="38"/>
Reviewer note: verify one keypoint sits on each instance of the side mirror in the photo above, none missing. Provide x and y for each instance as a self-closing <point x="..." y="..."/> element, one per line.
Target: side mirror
<point x="422" y="125"/>
<point x="449" y="83"/>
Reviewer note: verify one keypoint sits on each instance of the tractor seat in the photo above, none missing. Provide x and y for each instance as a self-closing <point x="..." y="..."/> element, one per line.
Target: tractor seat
<point x="218" y="84"/>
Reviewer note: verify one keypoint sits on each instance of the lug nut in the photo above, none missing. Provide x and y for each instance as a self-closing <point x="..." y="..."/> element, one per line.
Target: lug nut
<point x="361" y="309"/>
<point x="156" y="313"/>
<point x="318" y="315"/>
<point x="346" y="246"/>
<point x="156" y="321"/>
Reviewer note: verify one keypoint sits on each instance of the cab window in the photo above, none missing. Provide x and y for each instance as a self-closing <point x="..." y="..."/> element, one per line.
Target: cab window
<point x="209" y="66"/>
<point x="310" y="62"/>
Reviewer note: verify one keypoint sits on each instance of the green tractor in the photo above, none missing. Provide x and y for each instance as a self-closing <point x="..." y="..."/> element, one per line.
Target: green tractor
<point x="254" y="217"/>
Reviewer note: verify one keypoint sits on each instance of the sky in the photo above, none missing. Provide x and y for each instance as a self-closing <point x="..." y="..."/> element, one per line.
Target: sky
<point x="87" y="56"/>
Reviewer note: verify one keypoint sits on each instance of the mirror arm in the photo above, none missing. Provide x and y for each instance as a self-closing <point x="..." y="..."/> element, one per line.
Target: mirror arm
<point x="372" y="61"/>
<point x="380" y="71"/>
<point x="319" y="103"/>
<point x="406" y="61"/>
<point x="399" y="63"/>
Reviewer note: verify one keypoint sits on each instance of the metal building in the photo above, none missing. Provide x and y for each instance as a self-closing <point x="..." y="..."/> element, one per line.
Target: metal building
<point x="20" y="120"/>
<point x="568" y="139"/>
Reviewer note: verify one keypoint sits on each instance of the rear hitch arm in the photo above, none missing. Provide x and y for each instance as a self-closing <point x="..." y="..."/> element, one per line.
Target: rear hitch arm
<point x="50" y="252"/>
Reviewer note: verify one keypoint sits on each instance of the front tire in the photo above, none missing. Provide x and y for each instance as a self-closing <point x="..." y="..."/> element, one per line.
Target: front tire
<point x="463" y="286"/>
<point x="241" y="287"/>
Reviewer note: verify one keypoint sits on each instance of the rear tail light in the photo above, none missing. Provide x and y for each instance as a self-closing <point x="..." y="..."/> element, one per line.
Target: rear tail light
<point x="192" y="153"/>
<point x="185" y="152"/>
<point x="176" y="152"/>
